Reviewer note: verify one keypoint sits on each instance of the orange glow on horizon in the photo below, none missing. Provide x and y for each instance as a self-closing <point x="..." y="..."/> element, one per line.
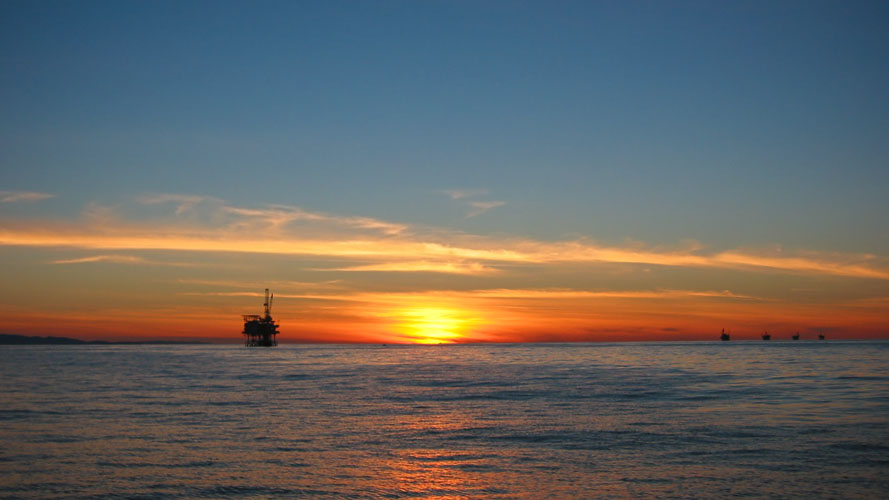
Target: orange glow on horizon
<point x="360" y="280"/>
<point x="610" y="320"/>
<point x="433" y="324"/>
<point x="469" y="316"/>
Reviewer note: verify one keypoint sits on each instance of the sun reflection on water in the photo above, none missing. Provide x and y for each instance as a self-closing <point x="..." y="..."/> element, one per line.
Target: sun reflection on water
<point x="441" y="473"/>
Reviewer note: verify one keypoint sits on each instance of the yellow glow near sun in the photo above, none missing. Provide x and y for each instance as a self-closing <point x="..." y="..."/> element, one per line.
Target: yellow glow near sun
<point x="433" y="325"/>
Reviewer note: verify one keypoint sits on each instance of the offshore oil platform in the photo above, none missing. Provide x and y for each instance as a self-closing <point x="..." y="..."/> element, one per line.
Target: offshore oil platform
<point x="261" y="330"/>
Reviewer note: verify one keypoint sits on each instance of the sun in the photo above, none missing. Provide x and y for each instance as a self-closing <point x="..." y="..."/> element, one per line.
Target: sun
<point x="433" y="325"/>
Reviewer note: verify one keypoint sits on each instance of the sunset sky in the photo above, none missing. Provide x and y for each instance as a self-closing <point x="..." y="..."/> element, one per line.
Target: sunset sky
<point x="445" y="171"/>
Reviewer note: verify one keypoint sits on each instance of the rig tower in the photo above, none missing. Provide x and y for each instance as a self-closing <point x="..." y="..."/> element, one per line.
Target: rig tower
<point x="261" y="330"/>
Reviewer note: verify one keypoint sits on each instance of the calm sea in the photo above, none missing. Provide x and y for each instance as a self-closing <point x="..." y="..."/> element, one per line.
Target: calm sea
<point x="666" y="420"/>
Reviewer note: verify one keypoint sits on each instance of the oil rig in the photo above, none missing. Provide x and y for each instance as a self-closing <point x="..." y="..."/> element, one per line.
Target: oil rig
<point x="261" y="330"/>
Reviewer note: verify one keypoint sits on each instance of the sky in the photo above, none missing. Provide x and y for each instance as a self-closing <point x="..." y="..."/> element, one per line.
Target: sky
<point x="445" y="171"/>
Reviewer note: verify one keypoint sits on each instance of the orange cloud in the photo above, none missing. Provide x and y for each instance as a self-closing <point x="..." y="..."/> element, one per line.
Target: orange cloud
<point x="473" y="268"/>
<point x="394" y="252"/>
<point x="278" y="216"/>
<point x="369" y="244"/>
<point x="120" y="259"/>
<point x="555" y="293"/>
<point x="839" y="265"/>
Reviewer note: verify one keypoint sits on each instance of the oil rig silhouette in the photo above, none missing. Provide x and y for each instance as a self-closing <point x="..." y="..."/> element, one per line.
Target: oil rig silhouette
<point x="261" y="330"/>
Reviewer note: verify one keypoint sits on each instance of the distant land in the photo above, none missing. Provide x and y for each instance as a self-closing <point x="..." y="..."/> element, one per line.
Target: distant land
<point x="9" y="339"/>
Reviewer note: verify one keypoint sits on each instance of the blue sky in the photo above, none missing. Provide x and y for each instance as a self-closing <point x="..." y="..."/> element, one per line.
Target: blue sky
<point x="617" y="116"/>
<point x="751" y="124"/>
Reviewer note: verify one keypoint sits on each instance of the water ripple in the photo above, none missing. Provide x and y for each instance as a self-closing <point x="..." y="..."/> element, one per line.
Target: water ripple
<point x="679" y="420"/>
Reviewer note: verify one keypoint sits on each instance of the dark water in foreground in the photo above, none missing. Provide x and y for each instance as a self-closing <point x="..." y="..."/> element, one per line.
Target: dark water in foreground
<point x="677" y="420"/>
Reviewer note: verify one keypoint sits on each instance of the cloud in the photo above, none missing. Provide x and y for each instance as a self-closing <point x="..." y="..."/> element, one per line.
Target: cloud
<point x="469" y="268"/>
<point x="229" y="294"/>
<point x="389" y="228"/>
<point x="184" y="202"/>
<point x="513" y="294"/>
<point x="418" y="249"/>
<point x="458" y="194"/>
<point x="279" y="216"/>
<point x="819" y="264"/>
<point x="258" y="285"/>
<point x="120" y="259"/>
<point x="476" y="207"/>
<point x="480" y="207"/>
<point x="556" y="293"/>
<point x="98" y="215"/>
<point x="391" y="246"/>
<point x="23" y="196"/>
<point x="881" y="303"/>
<point x="272" y="217"/>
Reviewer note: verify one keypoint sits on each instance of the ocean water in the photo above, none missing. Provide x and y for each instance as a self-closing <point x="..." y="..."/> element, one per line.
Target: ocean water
<point x="661" y="420"/>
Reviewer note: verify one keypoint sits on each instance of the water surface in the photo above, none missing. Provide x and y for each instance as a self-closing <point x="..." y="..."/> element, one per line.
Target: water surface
<point x="666" y="420"/>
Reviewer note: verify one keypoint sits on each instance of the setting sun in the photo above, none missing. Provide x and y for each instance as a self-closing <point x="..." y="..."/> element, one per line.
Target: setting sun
<point x="433" y="325"/>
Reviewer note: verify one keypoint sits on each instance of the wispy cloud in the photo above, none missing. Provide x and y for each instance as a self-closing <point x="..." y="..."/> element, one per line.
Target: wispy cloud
<point x="98" y="215"/>
<point x="458" y="194"/>
<point x="23" y="196"/>
<point x="228" y="294"/>
<point x="557" y="293"/>
<point x="881" y="303"/>
<point x="184" y="202"/>
<point x="389" y="228"/>
<point x="841" y="265"/>
<point x="513" y="294"/>
<point x="279" y="216"/>
<point x="272" y="218"/>
<point x="391" y="246"/>
<point x="256" y="285"/>
<point x="469" y="268"/>
<point x="475" y="207"/>
<point x="120" y="259"/>
<point x="409" y="249"/>
<point x="480" y="207"/>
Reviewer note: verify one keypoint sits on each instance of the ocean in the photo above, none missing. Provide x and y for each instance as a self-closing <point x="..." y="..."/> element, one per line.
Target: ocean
<point x="525" y="421"/>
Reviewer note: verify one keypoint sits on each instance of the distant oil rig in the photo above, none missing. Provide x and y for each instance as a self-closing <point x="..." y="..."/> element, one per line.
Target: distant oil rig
<point x="724" y="336"/>
<point x="261" y="330"/>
